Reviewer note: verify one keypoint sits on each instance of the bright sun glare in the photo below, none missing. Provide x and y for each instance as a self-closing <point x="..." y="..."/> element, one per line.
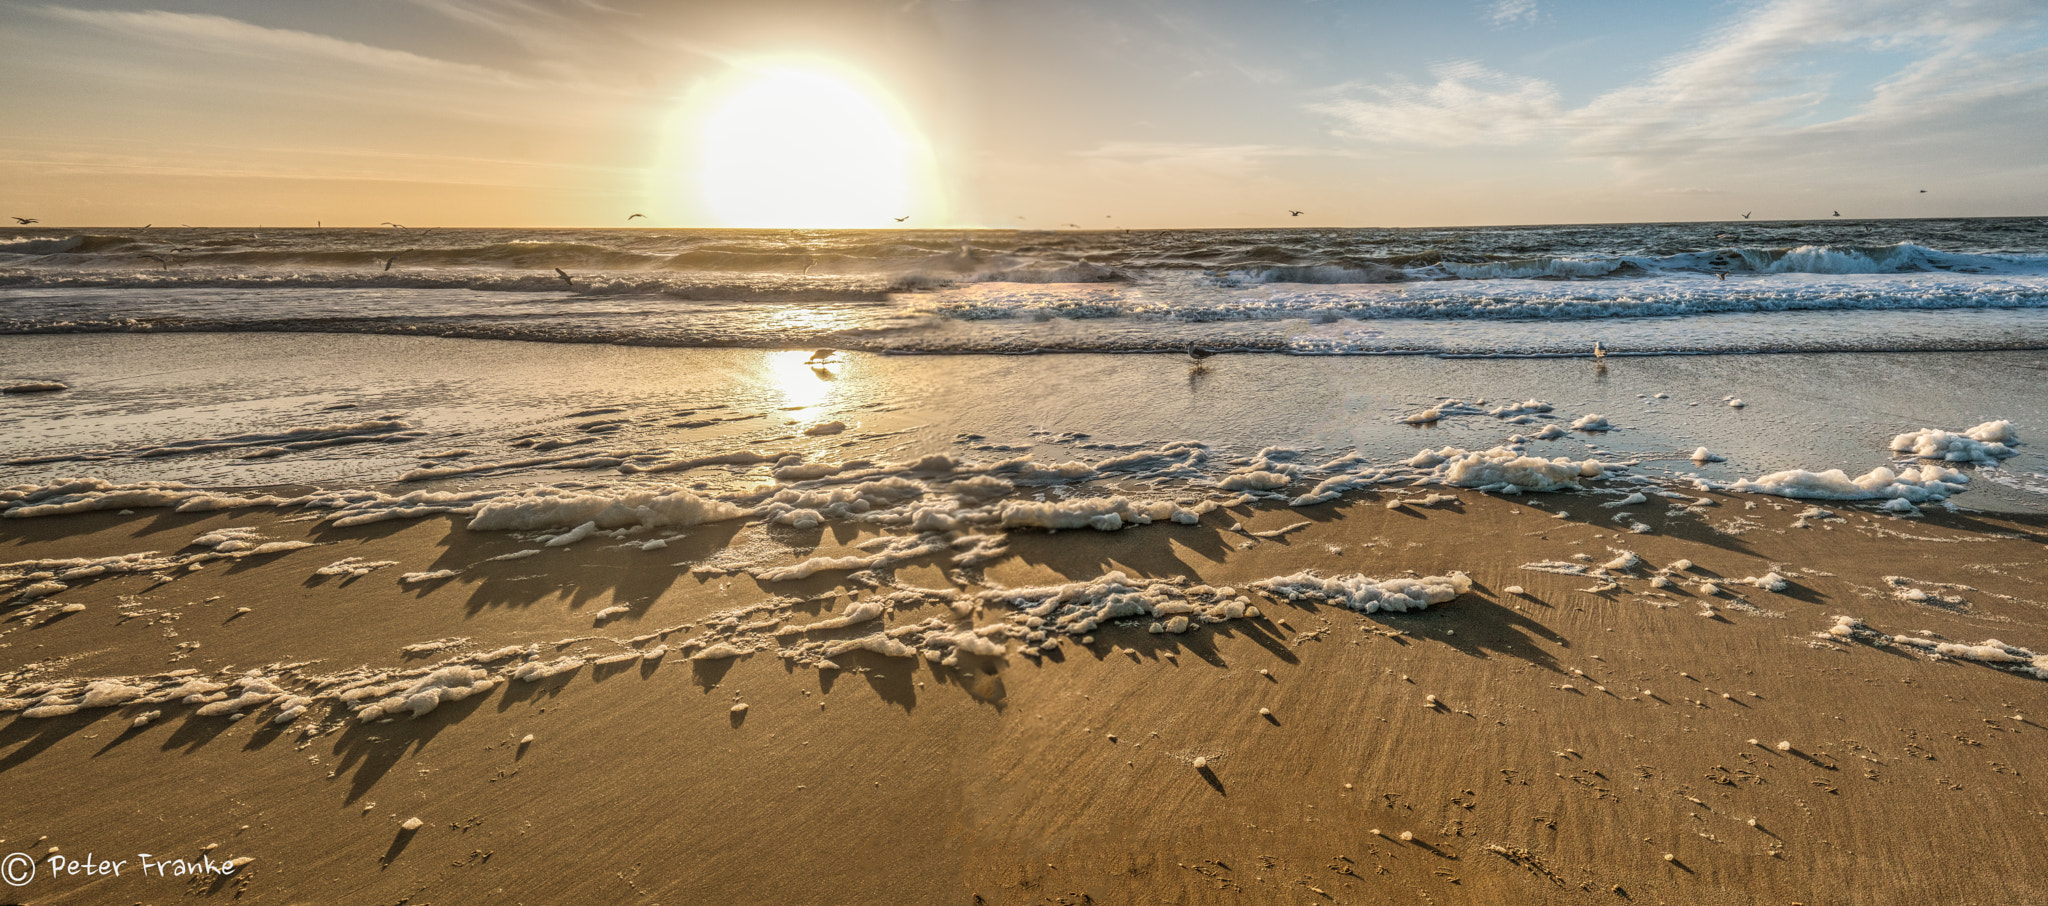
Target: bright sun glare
<point x="804" y="149"/>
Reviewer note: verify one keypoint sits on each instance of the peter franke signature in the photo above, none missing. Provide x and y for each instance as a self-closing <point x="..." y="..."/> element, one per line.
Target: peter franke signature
<point x="18" y="869"/>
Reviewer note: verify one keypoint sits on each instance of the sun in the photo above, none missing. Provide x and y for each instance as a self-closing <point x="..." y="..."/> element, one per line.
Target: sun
<point x="804" y="148"/>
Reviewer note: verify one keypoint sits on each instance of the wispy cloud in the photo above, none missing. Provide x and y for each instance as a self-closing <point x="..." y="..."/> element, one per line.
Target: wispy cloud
<point x="1235" y="160"/>
<point x="1512" y="12"/>
<point x="1763" y="84"/>
<point x="1468" y="105"/>
<point x="221" y="35"/>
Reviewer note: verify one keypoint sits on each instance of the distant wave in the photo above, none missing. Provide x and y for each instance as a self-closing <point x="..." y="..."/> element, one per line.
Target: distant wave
<point x="1502" y="299"/>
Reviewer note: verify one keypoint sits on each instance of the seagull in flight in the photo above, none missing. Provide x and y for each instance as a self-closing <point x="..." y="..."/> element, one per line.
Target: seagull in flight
<point x="1838" y="213"/>
<point x="391" y="260"/>
<point x="388" y="223"/>
<point x="1293" y="213"/>
<point x="634" y="217"/>
<point x="565" y="276"/>
<point x="25" y="221"/>
<point x="903" y="218"/>
<point x="1745" y="215"/>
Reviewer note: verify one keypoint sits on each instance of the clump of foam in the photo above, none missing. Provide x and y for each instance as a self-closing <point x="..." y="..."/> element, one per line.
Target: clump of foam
<point x="353" y="567"/>
<point x="1914" y="485"/>
<point x="1984" y="445"/>
<point x="1100" y="513"/>
<point x="1356" y="592"/>
<point x="1505" y="470"/>
<point x="542" y="508"/>
<point x="1592" y="424"/>
<point x="1990" y="652"/>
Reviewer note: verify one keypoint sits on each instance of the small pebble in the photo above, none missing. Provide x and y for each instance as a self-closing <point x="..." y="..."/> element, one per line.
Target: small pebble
<point x="413" y="824"/>
<point x="526" y="740"/>
<point x="1784" y="745"/>
<point x="1201" y="761"/>
<point x="1407" y="836"/>
<point x="740" y="708"/>
<point x="1265" y="712"/>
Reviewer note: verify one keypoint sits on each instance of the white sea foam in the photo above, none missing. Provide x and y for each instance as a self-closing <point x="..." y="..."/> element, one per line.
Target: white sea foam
<point x="1364" y="595"/>
<point x="1985" y="444"/>
<point x="1915" y="485"/>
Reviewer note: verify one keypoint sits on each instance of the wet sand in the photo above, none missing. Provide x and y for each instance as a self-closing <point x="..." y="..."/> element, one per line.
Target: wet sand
<point x="1588" y="740"/>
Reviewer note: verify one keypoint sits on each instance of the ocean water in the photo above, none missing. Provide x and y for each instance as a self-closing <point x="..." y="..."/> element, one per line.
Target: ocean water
<point x="1492" y="291"/>
<point x="223" y="357"/>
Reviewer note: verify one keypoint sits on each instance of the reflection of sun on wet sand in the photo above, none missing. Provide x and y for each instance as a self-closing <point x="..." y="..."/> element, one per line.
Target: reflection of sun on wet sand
<point x="1574" y="710"/>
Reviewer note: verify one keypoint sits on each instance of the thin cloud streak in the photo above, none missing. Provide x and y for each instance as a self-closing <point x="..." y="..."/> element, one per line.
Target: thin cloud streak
<point x="1746" y="89"/>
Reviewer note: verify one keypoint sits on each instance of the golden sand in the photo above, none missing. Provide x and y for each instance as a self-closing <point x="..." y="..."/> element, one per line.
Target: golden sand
<point x="1586" y="740"/>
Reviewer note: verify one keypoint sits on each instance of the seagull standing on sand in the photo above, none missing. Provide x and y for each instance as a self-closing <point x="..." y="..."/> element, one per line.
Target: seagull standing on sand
<point x="565" y="277"/>
<point x="1599" y="352"/>
<point x="821" y="356"/>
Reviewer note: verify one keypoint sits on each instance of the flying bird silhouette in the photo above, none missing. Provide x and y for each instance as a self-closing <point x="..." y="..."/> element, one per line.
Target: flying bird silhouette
<point x="25" y="221"/>
<point x="1838" y="213"/>
<point x="1293" y="213"/>
<point x="636" y="216"/>
<point x="393" y="225"/>
<point x="565" y="276"/>
<point x="903" y="218"/>
<point x="1745" y="215"/>
<point x="389" y="261"/>
<point x="1923" y="191"/>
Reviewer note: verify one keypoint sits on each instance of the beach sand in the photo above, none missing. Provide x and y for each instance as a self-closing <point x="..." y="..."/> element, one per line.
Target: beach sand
<point x="1589" y="739"/>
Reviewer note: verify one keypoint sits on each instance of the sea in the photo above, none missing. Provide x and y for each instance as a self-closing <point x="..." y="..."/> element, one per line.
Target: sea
<point x="1724" y="287"/>
<point x="473" y="361"/>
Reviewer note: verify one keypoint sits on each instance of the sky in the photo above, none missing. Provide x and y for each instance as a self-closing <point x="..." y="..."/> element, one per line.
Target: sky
<point x="1019" y="113"/>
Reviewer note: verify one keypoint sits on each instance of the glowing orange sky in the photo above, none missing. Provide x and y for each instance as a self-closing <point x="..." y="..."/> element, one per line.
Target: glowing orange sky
<point x="1122" y="114"/>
